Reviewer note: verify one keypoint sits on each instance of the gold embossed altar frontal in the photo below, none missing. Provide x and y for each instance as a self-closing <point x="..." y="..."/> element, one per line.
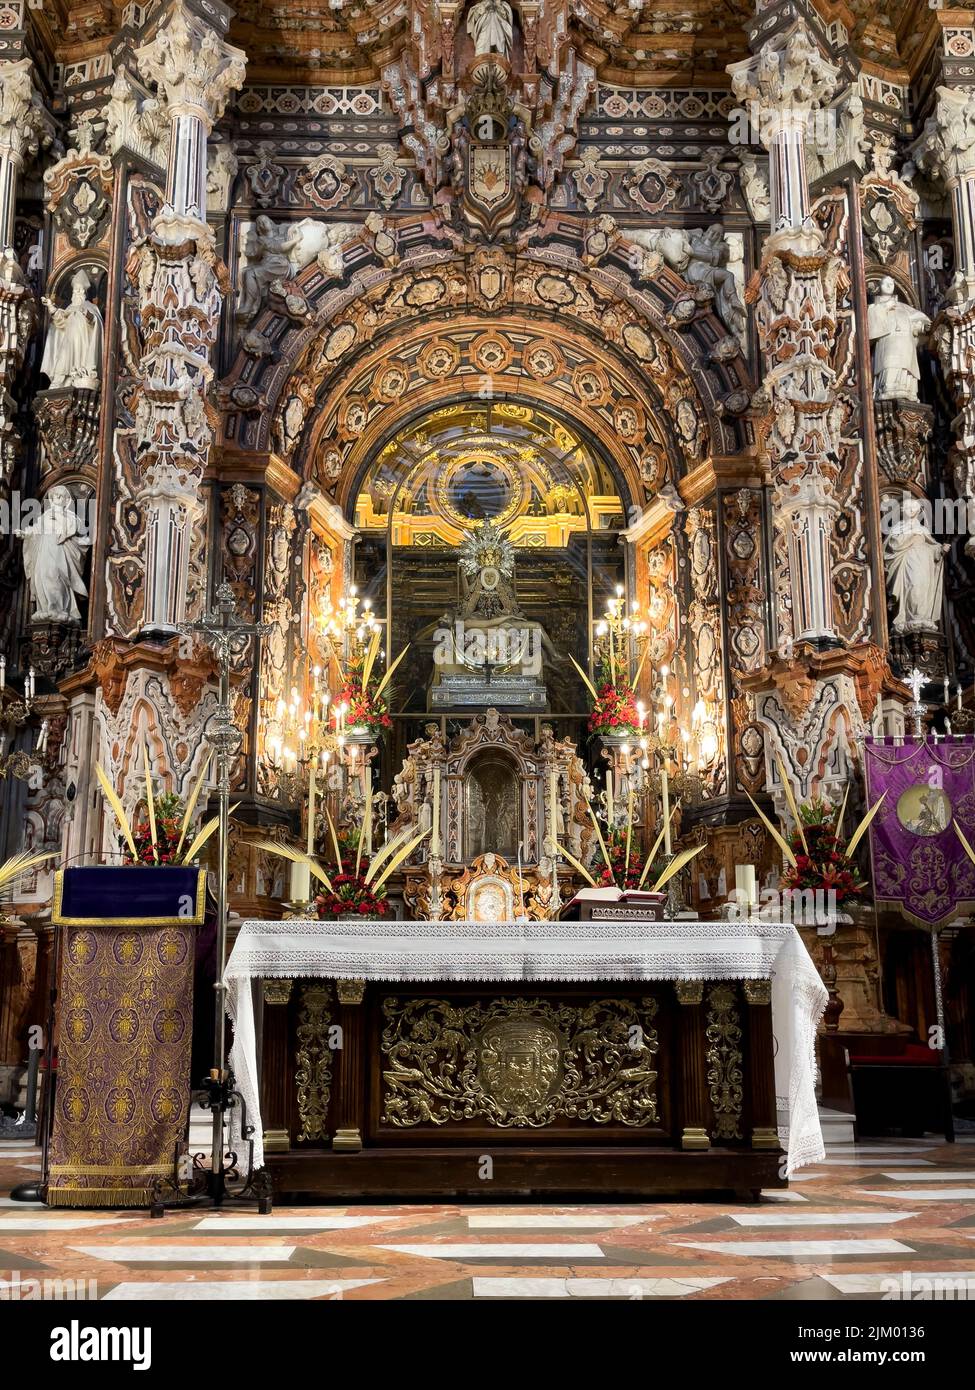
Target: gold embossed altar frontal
<point x="519" y="1062"/>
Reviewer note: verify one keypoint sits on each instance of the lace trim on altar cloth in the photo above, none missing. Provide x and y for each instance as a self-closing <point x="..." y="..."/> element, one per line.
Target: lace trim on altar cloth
<point x="511" y="952"/>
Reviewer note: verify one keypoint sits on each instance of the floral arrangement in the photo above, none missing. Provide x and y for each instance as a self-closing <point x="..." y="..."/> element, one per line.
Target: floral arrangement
<point x="162" y="838"/>
<point x="158" y="848"/>
<point x="364" y="708"/>
<point x="351" y="892"/>
<point x="614" y="710"/>
<point x="820" y="861"/>
<point x="624" y="864"/>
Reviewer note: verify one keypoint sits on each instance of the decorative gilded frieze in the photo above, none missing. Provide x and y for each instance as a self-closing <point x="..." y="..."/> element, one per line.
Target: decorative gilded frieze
<point x="725" y="1063"/>
<point x="519" y="1063"/>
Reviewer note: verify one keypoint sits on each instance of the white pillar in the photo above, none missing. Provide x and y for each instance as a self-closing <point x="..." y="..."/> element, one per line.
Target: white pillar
<point x="19" y="119"/>
<point x="196" y="71"/>
<point x="781" y="86"/>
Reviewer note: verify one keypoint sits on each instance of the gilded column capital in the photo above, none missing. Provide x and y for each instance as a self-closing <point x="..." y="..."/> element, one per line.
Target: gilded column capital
<point x="195" y="68"/>
<point x="784" y="81"/>
<point x="20" y="110"/>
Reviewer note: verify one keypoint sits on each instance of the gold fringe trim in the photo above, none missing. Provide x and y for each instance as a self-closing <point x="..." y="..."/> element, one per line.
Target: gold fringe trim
<point x="99" y="1197"/>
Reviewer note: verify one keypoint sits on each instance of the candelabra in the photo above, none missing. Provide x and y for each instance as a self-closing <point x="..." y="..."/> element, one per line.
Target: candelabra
<point x="619" y="638"/>
<point x="15" y="713"/>
<point x="348" y="630"/>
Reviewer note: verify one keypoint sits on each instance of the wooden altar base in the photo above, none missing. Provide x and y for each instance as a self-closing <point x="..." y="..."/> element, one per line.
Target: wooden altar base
<point x="484" y="1091"/>
<point x="438" y="1174"/>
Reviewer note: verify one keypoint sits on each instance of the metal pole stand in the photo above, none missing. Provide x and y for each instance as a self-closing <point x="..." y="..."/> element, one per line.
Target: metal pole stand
<point x="222" y="1183"/>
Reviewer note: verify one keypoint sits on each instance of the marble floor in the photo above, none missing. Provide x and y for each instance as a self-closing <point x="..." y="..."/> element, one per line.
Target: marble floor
<point x="869" y="1222"/>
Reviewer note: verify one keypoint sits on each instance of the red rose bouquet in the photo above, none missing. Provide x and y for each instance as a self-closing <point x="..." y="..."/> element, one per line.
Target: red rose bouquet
<point x="821" y="862"/>
<point x="614" y="711"/>
<point x="353" y="893"/>
<point x="364" y="708"/>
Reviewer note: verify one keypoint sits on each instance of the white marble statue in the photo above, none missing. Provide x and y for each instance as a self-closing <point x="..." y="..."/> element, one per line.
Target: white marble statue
<point x="915" y="571"/>
<point x="489" y="24"/>
<point x="277" y="252"/>
<point x="701" y="256"/>
<point x="54" y="557"/>
<point x="73" y="351"/>
<point x="895" y="328"/>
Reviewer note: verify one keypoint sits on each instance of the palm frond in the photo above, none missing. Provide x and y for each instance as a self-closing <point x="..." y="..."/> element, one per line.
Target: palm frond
<point x="204" y="834"/>
<point x="398" y="858"/>
<point x="191" y="804"/>
<point x="364" y="830"/>
<point x="655" y="846"/>
<point x="599" y="836"/>
<point x="777" y="836"/>
<point x="18" y="864"/>
<point x="389" y="672"/>
<point x="864" y="825"/>
<point x="588" y="683"/>
<point x="676" y="864"/>
<point x="577" y="865"/>
<point x="150" y="802"/>
<point x="113" y="799"/>
<point x="381" y="855"/>
<point x="791" y="799"/>
<point x="370" y="658"/>
<point x="297" y="856"/>
<point x="958" y="831"/>
<point x="838" y="827"/>
<point x="335" y="840"/>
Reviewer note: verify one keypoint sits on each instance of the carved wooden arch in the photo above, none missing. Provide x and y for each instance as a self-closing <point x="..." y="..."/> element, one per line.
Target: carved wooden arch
<point x="326" y="324"/>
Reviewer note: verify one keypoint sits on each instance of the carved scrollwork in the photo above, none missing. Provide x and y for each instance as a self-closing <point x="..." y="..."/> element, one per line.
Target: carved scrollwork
<point x="519" y="1062"/>
<point x="724" y="1059"/>
<point x="313" y="1072"/>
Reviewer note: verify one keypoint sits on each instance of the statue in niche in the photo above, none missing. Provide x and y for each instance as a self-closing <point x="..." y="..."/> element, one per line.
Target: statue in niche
<point x="492" y="814"/>
<point x="73" y="350"/>
<point x="489" y="24"/>
<point x="895" y="329"/>
<point x="915" y="571"/>
<point x="54" y="557"/>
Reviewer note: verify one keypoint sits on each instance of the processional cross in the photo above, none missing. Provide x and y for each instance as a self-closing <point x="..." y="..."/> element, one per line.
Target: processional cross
<point x="915" y="682"/>
<point x="227" y="635"/>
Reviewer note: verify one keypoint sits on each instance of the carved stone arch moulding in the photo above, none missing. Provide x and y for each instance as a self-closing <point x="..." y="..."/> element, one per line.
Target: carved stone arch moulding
<point x="357" y="411"/>
<point x="328" y="316"/>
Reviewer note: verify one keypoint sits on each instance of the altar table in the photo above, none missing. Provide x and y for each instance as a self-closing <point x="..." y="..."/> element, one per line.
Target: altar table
<point x="435" y="1058"/>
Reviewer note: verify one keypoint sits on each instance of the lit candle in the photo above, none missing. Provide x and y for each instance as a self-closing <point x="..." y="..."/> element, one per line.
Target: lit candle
<point x="665" y="792"/>
<point x="3" y="672"/>
<point x="30" y="683"/>
<point x="610" y="814"/>
<point x="958" y="695"/>
<point x="435" y="833"/>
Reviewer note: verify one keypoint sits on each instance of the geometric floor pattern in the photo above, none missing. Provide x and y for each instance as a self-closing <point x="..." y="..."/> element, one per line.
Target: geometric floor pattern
<point x="867" y="1221"/>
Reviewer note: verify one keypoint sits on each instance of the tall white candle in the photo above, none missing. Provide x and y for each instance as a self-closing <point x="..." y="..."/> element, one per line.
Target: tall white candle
<point x="665" y="792"/>
<point x="610" y="814"/>
<point x="553" y="793"/>
<point x="745" y="884"/>
<point x="435" y="835"/>
<point x="310" y="842"/>
<point x="300" y="883"/>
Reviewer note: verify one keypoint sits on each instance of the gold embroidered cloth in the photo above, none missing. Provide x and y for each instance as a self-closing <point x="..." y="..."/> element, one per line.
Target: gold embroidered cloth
<point x="123" y="1080"/>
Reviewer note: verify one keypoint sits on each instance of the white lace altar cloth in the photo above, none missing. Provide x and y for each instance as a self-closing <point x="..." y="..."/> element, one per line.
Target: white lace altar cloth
<point x="544" y="952"/>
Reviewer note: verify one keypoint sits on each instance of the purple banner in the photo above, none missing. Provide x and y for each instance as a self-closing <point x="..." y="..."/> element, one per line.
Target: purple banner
<point x="919" y="864"/>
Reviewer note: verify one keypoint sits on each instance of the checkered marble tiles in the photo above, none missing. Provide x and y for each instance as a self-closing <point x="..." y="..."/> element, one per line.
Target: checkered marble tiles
<point x="868" y="1215"/>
